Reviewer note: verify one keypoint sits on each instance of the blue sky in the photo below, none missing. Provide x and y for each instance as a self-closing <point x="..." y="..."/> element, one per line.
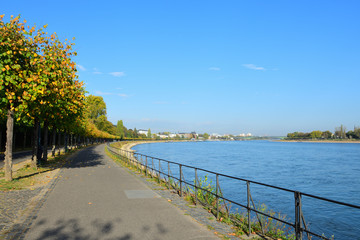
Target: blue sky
<point x="265" y="67"/>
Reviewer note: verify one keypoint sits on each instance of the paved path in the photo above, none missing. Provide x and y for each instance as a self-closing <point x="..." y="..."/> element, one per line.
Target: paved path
<point x="95" y="198"/>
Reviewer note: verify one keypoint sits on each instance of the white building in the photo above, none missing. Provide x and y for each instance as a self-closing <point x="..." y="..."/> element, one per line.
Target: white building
<point x="142" y="131"/>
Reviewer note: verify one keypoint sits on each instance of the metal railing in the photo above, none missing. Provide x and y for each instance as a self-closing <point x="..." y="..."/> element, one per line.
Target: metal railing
<point x="177" y="182"/>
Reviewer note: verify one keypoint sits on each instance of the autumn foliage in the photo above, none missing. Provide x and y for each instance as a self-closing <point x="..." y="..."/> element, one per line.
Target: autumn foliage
<point x="39" y="83"/>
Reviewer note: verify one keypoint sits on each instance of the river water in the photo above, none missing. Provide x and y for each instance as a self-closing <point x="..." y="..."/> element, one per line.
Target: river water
<point x="329" y="170"/>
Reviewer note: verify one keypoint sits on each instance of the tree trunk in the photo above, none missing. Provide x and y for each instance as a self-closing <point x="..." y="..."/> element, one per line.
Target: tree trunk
<point x="66" y="142"/>
<point x="59" y="141"/>
<point x="0" y="140"/>
<point x="35" y="143"/>
<point x="45" y="148"/>
<point x="53" y="142"/>
<point x="39" y="146"/>
<point x="24" y="142"/>
<point x="9" y="145"/>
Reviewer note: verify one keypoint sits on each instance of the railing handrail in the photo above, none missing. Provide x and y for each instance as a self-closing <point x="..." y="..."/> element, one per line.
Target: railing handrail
<point x="299" y="225"/>
<point x="251" y="181"/>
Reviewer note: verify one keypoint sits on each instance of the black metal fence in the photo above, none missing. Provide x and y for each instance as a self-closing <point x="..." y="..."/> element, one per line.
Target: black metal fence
<point x="172" y="174"/>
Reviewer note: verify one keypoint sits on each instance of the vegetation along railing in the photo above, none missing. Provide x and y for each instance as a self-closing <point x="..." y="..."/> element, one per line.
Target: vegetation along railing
<point x="200" y="191"/>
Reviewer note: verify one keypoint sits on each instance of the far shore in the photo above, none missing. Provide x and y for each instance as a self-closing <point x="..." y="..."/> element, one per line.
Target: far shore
<point x="320" y="141"/>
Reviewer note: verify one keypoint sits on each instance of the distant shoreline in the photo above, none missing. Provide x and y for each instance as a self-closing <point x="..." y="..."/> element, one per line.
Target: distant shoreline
<point x="130" y="145"/>
<point x="321" y="141"/>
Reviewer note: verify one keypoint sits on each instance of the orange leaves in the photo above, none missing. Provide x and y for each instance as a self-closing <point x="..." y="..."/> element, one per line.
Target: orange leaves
<point x="40" y="77"/>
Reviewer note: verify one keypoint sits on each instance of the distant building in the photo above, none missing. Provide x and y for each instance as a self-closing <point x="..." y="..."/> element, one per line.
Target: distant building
<point x="142" y="131"/>
<point x="162" y="136"/>
<point x="245" y="135"/>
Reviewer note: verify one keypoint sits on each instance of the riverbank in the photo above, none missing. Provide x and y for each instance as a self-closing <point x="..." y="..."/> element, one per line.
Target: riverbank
<point x="129" y="145"/>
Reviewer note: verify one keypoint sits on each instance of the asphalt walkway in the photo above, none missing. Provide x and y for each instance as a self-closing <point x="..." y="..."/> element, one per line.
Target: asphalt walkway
<point x="94" y="198"/>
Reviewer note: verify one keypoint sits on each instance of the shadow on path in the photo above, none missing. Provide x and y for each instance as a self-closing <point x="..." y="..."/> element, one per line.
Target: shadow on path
<point x="88" y="158"/>
<point x="96" y="229"/>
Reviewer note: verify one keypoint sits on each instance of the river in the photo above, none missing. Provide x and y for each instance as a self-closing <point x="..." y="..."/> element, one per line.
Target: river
<point x="329" y="170"/>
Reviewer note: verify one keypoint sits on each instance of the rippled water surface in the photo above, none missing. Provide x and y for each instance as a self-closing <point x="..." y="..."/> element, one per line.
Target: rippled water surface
<point x="330" y="170"/>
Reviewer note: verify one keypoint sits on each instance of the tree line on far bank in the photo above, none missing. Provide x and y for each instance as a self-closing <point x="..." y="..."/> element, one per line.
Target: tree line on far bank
<point x="339" y="133"/>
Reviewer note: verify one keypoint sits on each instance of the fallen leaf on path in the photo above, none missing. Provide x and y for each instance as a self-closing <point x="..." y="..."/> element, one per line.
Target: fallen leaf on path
<point x="169" y="200"/>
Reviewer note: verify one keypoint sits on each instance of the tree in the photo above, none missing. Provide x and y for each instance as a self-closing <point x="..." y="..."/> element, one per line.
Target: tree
<point x="340" y="132"/>
<point x="298" y="135"/>
<point x="130" y="133"/>
<point x="120" y="129"/>
<point x="149" y="133"/>
<point x="135" y="133"/>
<point x="18" y="82"/>
<point x="327" y="134"/>
<point x="356" y="132"/>
<point x="206" y="136"/>
<point x="95" y="107"/>
<point x="104" y="125"/>
<point x="316" y="134"/>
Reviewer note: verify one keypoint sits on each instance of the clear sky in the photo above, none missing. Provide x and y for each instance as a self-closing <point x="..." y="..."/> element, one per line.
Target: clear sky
<point x="264" y="67"/>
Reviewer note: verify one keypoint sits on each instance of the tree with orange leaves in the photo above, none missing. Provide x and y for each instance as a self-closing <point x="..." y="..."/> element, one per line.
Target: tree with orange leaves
<point x="18" y="56"/>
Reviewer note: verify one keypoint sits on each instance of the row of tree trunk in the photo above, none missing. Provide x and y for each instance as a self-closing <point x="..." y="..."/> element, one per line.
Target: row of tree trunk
<point x="40" y="146"/>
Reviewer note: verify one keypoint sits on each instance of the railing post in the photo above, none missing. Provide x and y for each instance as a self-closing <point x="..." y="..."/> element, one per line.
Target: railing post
<point x="298" y="211"/>
<point x="152" y="167"/>
<point x="136" y="161"/>
<point x="217" y="196"/>
<point x="180" y="179"/>
<point x="169" y="175"/>
<point x="139" y="161"/>
<point x="248" y="206"/>
<point x="159" y="170"/>
<point x="146" y="165"/>
<point x="196" y="191"/>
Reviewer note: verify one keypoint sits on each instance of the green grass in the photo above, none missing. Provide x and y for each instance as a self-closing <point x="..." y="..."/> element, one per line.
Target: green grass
<point x="26" y="177"/>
